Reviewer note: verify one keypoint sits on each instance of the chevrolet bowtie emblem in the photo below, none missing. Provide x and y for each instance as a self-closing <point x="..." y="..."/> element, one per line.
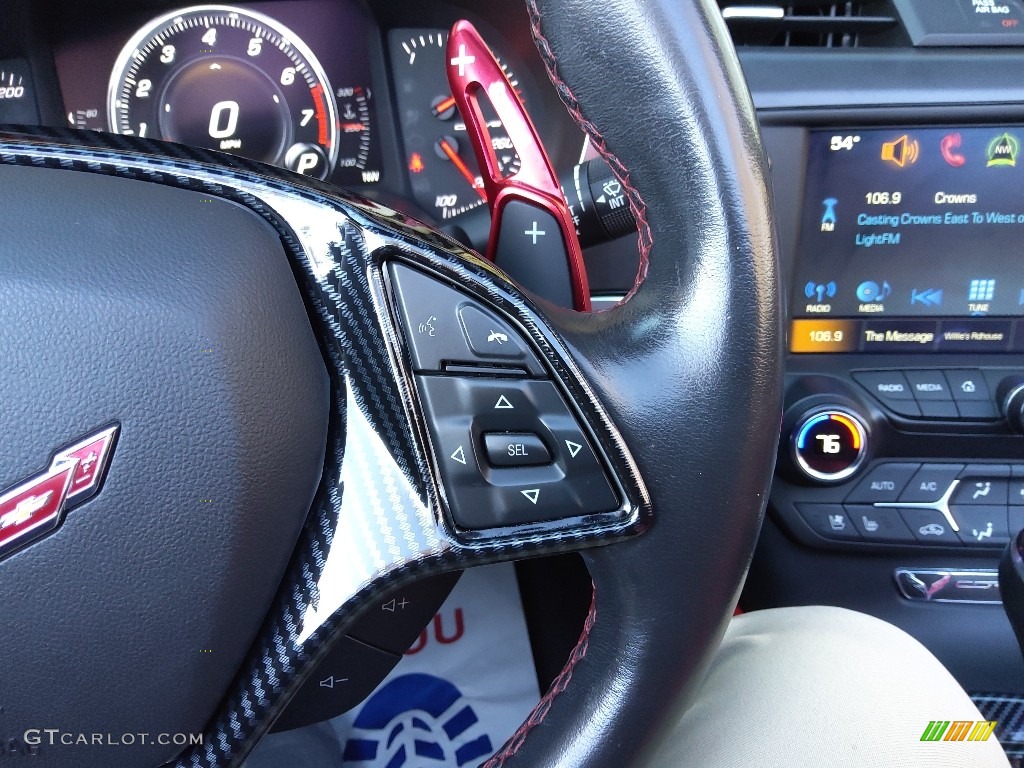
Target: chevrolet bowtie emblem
<point x="37" y="506"/>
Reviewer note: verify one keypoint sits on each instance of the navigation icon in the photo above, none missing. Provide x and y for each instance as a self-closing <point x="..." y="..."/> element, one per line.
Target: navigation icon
<point x="503" y="404"/>
<point x="459" y="455"/>
<point x="574" y="448"/>
<point x="532" y="494"/>
<point x="1002" y="150"/>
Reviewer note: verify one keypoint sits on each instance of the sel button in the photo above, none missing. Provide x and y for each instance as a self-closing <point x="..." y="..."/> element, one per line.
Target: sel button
<point x="515" y="449"/>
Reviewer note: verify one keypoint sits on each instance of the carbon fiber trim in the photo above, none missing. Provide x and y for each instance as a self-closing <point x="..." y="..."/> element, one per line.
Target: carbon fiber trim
<point x="390" y="528"/>
<point x="1008" y="711"/>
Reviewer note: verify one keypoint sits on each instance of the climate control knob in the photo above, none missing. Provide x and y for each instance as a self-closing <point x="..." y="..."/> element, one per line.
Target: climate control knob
<point x="829" y="444"/>
<point x="1010" y="396"/>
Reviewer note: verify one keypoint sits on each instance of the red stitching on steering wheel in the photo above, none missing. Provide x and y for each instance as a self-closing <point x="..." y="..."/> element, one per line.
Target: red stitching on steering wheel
<point x="636" y="202"/>
<point x="645" y="241"/>
<point x="559" y="684"/>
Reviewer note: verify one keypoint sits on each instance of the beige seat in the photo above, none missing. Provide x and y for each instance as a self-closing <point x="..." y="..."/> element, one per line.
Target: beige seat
<point x="824" y="688"/>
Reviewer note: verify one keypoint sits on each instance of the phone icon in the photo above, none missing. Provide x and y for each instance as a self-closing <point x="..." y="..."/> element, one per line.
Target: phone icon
<point x="949" y="144"/>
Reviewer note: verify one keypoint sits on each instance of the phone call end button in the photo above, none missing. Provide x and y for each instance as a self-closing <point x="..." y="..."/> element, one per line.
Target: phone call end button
<point x="492" y="338"/>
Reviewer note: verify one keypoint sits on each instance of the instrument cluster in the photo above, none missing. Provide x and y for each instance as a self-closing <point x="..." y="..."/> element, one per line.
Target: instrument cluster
<point x="334" y="89"/>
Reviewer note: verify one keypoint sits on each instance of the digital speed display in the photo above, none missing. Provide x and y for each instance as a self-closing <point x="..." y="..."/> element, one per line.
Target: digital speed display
<point x="911" y="240"/>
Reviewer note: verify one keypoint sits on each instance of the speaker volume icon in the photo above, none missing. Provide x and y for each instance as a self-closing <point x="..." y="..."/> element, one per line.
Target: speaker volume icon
<point x="901" y="152"/>
<point x="820" y="290"/>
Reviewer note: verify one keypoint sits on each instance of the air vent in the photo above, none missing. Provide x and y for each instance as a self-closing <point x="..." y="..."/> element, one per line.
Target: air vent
<point x="811" y="23"/>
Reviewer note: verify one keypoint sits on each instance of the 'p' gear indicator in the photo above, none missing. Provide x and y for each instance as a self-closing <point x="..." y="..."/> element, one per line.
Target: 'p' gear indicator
<point x="829" y="446"/>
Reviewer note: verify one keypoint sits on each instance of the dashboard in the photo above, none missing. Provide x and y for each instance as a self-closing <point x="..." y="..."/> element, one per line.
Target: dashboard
<point x="897" y="172"/>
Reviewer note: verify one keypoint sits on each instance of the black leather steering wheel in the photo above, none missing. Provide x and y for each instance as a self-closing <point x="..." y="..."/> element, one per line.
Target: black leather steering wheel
<point x="240" y="330"/>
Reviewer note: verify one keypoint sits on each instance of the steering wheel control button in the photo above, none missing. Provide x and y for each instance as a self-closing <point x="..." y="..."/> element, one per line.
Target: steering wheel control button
<point x="434" y="315"/>
<point x="515" y="449"/>
<point x="930" y="483"/>
<point x="829" y="446"/>
<point x="343" y="678"/>
<point x="891" y="388"/>
<point x="929" y="526"/>
<point x="394" y="621"/>
<point x="494" y="339"/>
<point x="501" y="420"/>
<point x="984" y="526"/>
<point x="880" y="524"/>
<point x="885" y="482"/>
<point x="530" y="247"/>
<point x="829" y="521"/>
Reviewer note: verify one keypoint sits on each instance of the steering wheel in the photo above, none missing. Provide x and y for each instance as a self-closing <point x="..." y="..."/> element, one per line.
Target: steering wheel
<point x="228" y="434"/>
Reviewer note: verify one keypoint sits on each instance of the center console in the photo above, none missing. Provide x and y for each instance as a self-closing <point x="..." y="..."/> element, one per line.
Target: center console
<point x="906" y="307"/>
<point x="901" y="461"/>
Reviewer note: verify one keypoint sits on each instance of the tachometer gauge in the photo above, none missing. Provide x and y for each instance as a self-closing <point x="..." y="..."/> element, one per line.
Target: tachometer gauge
<point x="237" y="81"/>
<point x="440" y="160"/>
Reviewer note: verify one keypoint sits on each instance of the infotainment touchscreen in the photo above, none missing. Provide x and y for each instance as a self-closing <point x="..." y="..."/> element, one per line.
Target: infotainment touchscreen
<point x="911" y="240"/>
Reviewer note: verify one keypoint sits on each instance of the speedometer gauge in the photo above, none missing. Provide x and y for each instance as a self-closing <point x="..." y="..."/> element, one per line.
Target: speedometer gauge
<point x="236" y="81"/>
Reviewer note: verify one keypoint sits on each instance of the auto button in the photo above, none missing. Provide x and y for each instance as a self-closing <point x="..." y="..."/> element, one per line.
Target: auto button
<point x="885" y="482"/>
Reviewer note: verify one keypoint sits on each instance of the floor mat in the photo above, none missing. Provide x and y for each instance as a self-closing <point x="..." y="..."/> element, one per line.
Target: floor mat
<point x="457" y="695"/>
